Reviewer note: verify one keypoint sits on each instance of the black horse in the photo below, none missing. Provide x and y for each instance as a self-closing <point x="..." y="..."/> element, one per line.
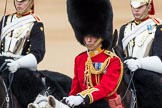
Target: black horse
<point x="24" y="85"/>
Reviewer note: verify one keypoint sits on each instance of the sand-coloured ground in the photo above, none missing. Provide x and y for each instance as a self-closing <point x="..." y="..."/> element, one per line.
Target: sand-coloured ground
<point x="61" y="45"/>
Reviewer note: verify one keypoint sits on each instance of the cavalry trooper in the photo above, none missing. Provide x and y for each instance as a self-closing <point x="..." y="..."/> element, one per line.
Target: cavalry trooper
<point x="22" y="37"/>
<point x="97" y="71"/>
<point x="141" y="41"/>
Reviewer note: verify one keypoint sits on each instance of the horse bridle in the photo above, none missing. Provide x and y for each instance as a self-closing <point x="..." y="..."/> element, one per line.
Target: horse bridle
<point x="7" y="90"/>
<point x="133" y="91"/>
<point x="6" y="99"/>
<point x="3" y="67"/>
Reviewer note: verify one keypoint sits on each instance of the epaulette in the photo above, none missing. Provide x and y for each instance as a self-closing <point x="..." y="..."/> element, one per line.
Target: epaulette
<point x="37" y="18"/>
<point x="156" y="21"/>
<point x="110" y="53"/>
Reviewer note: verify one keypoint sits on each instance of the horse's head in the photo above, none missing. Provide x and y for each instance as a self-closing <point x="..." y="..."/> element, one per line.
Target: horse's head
<point x="47" y="102"/>
<point x="42" y="101"/>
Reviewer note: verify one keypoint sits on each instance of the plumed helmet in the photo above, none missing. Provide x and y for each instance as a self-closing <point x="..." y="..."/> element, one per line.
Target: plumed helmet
<point x="138" y="3"/>
<point x="91" y="17"/>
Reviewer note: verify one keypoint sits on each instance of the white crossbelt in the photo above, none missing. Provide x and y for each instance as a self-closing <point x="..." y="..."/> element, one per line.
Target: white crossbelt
<point x="138" y="30"/>
<point x="17" y="23"/>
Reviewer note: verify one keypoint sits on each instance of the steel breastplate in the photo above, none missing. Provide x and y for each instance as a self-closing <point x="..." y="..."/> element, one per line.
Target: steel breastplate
<point x="14" y="41"/>
<point x="140" y="46"/>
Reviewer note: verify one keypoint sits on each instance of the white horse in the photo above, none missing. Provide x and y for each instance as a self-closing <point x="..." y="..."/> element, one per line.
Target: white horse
<point x="47" y="102"/>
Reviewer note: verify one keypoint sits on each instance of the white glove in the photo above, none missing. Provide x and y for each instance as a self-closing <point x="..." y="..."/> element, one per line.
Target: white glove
<point x="133" y="64"/>
<point x="73" y="100"/>
<point x="152" y="63"/>
<point x="29" y="61"/>
<point x="13" y="66"/>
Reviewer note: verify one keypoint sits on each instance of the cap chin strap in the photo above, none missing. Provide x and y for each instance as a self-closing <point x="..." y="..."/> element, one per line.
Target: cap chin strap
<point x="96" y="45"/>
<point x="26" y="10"/>
<point x="144" y="15"/>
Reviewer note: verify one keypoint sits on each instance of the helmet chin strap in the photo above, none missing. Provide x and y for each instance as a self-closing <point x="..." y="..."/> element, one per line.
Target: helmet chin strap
<point x="145" y="14"/>
<point x="26" y="10"/>
<point x="96" y="44"/>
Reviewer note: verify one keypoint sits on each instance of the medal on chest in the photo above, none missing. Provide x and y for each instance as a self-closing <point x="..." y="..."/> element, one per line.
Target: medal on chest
<point x="95" y="69"/>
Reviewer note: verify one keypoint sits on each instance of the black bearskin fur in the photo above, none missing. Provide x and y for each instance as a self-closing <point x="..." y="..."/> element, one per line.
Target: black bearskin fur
<point x="91" y="17"/>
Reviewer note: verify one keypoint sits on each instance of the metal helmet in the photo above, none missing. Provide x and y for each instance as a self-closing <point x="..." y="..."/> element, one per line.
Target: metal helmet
<point x="138" y="3"/>
<point x="91" y="17"/>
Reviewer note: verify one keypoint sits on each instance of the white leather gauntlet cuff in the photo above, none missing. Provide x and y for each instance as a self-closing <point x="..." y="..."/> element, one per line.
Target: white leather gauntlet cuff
<point x="28" y="61"/>
<point x="152" y="63"/>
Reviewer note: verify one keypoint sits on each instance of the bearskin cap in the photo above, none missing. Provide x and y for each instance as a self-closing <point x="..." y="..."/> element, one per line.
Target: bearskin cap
<point x="91" y="17"/>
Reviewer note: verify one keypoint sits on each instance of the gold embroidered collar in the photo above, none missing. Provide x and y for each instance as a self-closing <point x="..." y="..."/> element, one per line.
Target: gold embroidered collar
<point x="95" y="52"/>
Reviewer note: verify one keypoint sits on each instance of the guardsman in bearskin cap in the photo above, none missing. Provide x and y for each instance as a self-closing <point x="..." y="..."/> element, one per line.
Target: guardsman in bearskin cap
<point x="22" y="37"/>
<point x="97" y="71"/>
<point x="141" y="40"/>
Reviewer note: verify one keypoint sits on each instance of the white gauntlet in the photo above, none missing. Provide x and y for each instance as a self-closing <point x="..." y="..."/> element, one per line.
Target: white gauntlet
<point x="28" y="61"/>
<point x="133" y="64"/>
<point x="152" y="63"/>
<point x="73" y="101"/>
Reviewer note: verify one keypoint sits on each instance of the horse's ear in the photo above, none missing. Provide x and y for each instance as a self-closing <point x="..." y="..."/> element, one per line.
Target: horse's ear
<point x="31" y="105"/>
<point x="51" y="101"/>
<point x="115" y="38"/>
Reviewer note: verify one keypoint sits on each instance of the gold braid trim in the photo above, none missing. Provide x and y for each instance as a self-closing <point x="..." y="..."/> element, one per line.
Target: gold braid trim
<point x="88" y="92"/>
<point x="91" y="70"/>
<point x="111" y="54"/>
<point x="97" y="78"/>
<point x="119" y="81"/>
<point x="96" y="45"/>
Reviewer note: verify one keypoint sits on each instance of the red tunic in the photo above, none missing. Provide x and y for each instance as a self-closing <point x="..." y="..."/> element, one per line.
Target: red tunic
<point x="108" y="82"/>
